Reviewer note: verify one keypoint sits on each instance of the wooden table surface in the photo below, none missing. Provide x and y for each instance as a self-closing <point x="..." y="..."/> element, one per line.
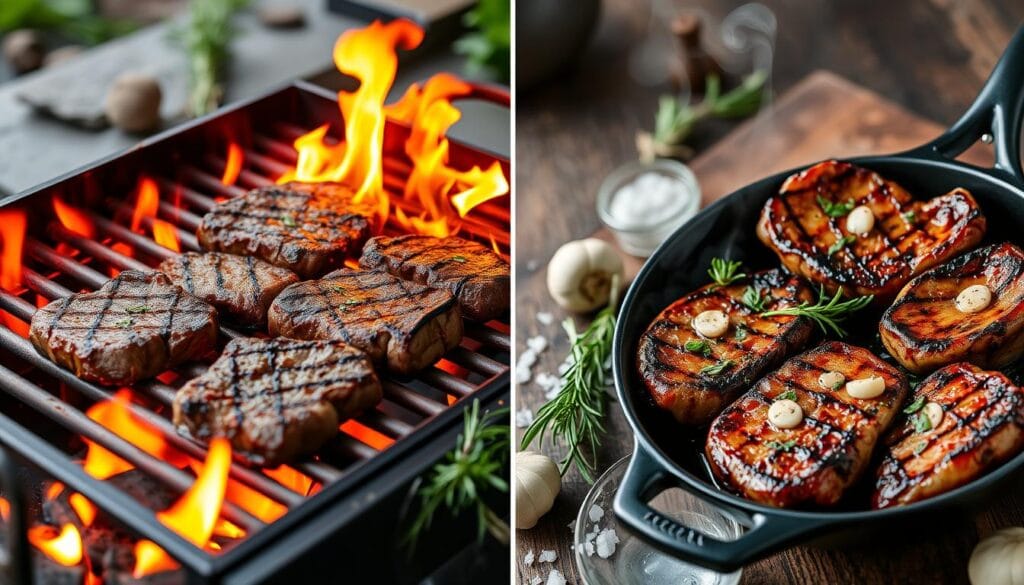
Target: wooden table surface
<point x="571" y="134"/>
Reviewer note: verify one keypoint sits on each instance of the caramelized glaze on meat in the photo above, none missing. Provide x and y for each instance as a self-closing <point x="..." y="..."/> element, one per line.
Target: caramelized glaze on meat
<point x="815" y="462"/>
<point x="908" y="236"/>
<point x="982" y="425"/>
<point x="924" y="329"/>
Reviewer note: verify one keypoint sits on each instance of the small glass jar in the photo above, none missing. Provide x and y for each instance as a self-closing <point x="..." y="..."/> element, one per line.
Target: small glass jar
<point x="639" y="236"/>
<point x="635" y="562"/>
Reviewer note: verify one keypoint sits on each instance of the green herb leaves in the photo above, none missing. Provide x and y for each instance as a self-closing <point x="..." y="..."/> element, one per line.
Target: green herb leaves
<point x="136" y="309"/>
<point x="781" y="445"/>
<point x="921" y="422"/>
<point x="755" y="299"/>
<point x="909" y="216"/>
<point x="698" y="346"/>
<point x="841" y="243"/>
<point x="915" y="406"/>
<point x="124" y="323"/>
<point x="835" y="209"/>
<point x="717" y="367"/>
<point x="826" y="313"/>
<point x="725" y="272"/>
<point x="288" y="220"/>
<point x="459" y="259"/>
<point x="787" y="395"/>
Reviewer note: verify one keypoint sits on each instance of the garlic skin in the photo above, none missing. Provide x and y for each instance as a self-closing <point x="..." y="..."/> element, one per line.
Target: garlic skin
<point x="581" y="273"/>
<point x="537" y="484"/>
<point x="998" y="559"/>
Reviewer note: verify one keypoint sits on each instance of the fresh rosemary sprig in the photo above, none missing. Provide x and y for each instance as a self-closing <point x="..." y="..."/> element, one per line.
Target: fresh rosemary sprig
<point x="576" y="414"/>
<point x="755" y="299"/>
<point x="725" y="272"/>
<point x="835" y="209"/>
<point x="827" y="313"/>
<point x="207" y="37"/>
<point x="468" y="472"/>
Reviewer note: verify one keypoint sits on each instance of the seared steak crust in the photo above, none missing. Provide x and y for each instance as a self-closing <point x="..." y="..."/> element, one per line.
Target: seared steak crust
<point x="401" y="324"/>
<point x="308" y="228"/>
<point x="753" y="344"/>
<point x="134" y="327"/>
<point x="982" y="426"/>
<point x="242" y="287"/>
<point x="908" y="236"/>
<point x="276" y="399"/>
<point x="816" y="461"/>
<point x="924" y="330"/>
<point x="477" y="277"/>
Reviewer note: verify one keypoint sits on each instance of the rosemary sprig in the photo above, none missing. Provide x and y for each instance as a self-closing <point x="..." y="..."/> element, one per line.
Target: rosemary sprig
<point x="835" y="209"/>
<point x="725" y="272"/>
<point x="827" y="313"/>
<point x="468" y="472"/>
<point x="755" y="299"/>
<point x="207" y="37"/>
<point x="576" y="414"/>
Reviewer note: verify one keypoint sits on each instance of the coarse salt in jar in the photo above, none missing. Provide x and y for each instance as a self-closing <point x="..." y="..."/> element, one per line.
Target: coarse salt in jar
<point x="643" y="203"/>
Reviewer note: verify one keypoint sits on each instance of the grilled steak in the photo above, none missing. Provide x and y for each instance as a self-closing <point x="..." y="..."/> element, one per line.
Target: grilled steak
<point x="275" y="399"/>
<point x="817" y="460"/>
<point x="242" y="287"/>
<point x="473" y="273"/>
<point x="685" y="381"/>
<point x="134" y="327"/>
<point x="404" y="325"/>
<point x="308" y="228"/>
<point x="981" y="425"/>
<point x="925" y="330"/>
<point x="908" y="236"/>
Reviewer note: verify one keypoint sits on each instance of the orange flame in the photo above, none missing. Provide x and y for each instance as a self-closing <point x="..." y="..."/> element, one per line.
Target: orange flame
<point x="12" y="232"/>
<point x="147" y="202"/>
<point x="232" y="165"/>
<point x="166" y="235"/>
<point x="194" y="515"/>
<point x="369" y="55"/>
<point x="115" y="415"/>
<point x="375" y="439"/>
<point x="74" y="219"/>
<point x="64" y="547"/>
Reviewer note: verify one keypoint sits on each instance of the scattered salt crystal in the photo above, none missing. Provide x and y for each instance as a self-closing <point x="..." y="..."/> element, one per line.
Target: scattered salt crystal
<point x="523" y="418"/>
<point x="649" y="197"/>
<point x="533" y="265"/>
<point x="523" y="374"/>
<point x="528" y="558"/>
<point x="549" y="383"/>
<point x="606" y="542"/>
<point x="588" y="547"/>
<point x="590" y="536"/>
<point x="596" y="513"/>
<point x="555" y="578"/>
<point x="527" y="358"/>
<point x="547" y="556"/>
<point x="545" y="318"/>
<point x="536" y="580"/>
<point x="538" y="344"/>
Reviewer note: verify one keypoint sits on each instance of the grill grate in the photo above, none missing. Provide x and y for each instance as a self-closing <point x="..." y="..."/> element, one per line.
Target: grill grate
<point x="58" y="262"/>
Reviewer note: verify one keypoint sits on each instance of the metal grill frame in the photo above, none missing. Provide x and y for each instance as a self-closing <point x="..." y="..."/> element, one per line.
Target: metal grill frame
<point x="280" y="547"/>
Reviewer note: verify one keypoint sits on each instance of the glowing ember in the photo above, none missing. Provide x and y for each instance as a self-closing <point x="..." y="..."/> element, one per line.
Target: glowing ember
<point x="5" y="509"/>
<point x="232" y="165"/>
<point x="85" y="510"/>
<point x="64" y="547"/>
<point x="194" y="515"/>
<point x="166" y="235"/>
<point x="74" y="219"/>
<point x="367" y="435"/>
<point x="12" y="233"/>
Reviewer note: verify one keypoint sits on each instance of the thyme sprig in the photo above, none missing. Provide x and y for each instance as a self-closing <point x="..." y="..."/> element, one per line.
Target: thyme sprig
<point x="575" y="416"/>
<point x="725" y="272"/>
<point x="467" y="473"/>
<point x="826" y="313"/>
<point x="207" y="38"/>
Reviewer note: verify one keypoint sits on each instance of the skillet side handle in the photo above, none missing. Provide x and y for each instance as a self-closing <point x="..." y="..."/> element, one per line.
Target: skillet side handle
<point x="998" y="110"/>
<point x="645" y="478"/>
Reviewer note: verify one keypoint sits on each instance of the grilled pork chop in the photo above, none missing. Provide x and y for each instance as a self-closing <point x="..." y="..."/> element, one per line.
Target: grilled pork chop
<point x="982" y="425"/>
<point x="684" y="381"/>
<point x="817" y="460"/>
<point x="401" y="324"/>
<point x="308" y="228"/>
<point x="275" y="399"/>
<point x="473" y="273"/>
<point x="925" y="330"/>
<point x="134" y="327"/>
<point x="242" y="287"/>
<point x="908" y="236"/>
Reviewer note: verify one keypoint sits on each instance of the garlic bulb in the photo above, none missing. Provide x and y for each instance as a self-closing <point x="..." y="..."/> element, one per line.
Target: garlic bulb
<point x="581" y="272"/>
<point x="537" y="484"/>
<point x="998" y="559"/>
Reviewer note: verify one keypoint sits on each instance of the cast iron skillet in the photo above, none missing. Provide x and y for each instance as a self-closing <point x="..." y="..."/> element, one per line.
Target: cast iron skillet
<point x="664" y="454"/>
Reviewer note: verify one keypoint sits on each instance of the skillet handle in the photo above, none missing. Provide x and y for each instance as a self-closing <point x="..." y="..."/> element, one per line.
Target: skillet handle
<point x="645" y="478"/>
<point x="999" y="111"/>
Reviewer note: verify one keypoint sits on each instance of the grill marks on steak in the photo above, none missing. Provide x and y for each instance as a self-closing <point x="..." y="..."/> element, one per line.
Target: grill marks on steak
<point x="924" y="330"/>
<point x="815" y="462"/>
<point x="401" y="324"/>
<point x="672" y="373"/>
<point x="241" y="286"/>
<point x="982" y="426"/>
<point x="308" y="228"/>
<point x="908" y="236"/>
<point x="276" y="399"/>
<point x="477" y="277"/>
<point x="134" y="327"/>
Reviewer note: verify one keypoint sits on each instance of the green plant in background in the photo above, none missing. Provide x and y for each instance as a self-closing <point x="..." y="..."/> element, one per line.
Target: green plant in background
<point x="466" y="475"/>
<point x="207" y="38"/>
<point x="488" y="45"/>
<point x="75" y="19"/>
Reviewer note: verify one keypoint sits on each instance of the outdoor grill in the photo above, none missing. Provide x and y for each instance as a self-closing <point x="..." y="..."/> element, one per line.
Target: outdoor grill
<point x="346" y="527"/>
